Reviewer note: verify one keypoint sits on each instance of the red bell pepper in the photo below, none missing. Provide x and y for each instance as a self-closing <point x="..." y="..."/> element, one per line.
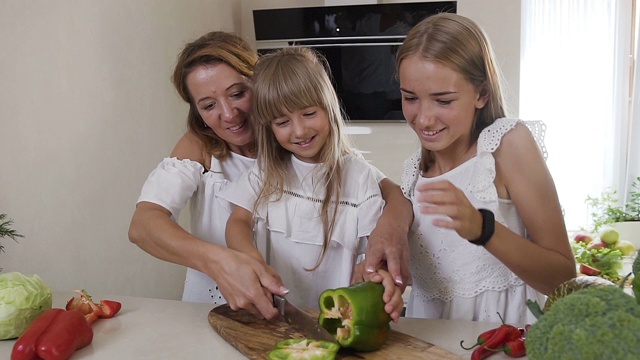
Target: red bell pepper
<point x="92" y="311"/>
<point x="54" y="335"/>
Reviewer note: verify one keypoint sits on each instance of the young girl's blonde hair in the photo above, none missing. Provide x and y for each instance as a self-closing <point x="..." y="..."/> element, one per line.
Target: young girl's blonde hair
<point x="291" y="79"/>
<point x="459" y="44"/>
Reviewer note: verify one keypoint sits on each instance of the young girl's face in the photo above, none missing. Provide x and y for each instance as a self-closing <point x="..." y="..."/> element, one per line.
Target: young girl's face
<point x="438" y="103"/>
<point x="223" y="99"/>
<point x="303" y="132"/>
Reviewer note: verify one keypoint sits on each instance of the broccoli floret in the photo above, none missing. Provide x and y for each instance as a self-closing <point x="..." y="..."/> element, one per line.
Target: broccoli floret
<point x="601" y="322"/>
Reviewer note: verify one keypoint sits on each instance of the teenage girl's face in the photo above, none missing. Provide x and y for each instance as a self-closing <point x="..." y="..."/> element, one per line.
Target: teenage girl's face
<point x="438" y="103"/>
<point x="303" y="132"/>
<point x="223" y="99"/>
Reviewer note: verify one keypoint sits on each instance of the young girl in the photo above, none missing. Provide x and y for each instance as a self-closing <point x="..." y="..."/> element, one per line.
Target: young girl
<point x="317" y="200"/>
<point x="488" y="232"/>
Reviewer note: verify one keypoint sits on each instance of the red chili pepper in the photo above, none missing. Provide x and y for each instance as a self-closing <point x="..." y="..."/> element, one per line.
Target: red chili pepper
<point x="499" y="338"/>
<point x="513" y="333"/>
<point x="481" y="353"/>
<point x="482" y="338"/>
<point x="515" y="348"/>
<point x="54" y="335"/>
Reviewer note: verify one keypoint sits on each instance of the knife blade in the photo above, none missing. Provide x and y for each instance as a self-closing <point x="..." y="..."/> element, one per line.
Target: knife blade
<point x="304" y="323"/>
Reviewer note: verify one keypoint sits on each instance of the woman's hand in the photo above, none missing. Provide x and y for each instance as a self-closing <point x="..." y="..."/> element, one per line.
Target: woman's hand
<point x="388" y="244"/>
<point x="247" y="283"/>
<point x="392" y="297"/>
<point x="443" y="198"/>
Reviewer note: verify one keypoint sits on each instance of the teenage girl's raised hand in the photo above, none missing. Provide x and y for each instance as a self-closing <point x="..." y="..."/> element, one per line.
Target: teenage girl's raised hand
<point x="444" y="198"/>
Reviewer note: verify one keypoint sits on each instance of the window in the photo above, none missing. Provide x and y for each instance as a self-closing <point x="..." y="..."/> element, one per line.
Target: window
<point x="576" y="64"/>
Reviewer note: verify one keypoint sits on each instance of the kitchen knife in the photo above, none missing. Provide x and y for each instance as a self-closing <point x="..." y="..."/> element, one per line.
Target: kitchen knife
<point x="302" y="322"/>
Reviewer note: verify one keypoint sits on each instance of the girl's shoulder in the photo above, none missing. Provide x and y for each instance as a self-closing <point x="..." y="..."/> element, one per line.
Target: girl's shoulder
<point x="510" y="135"/>
<point x="519" y="141"/>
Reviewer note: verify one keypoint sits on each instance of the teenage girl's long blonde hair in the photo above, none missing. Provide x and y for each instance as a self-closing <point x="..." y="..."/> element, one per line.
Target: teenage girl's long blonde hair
<point x="291" y="79"/>
<point x="459" y="44"/>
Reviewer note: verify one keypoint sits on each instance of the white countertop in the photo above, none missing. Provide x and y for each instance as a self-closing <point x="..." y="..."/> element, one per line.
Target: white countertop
<point x="168" y="329"/>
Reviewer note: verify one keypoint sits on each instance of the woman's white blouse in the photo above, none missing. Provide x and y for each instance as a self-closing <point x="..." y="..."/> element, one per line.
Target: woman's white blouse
<point x="173" y="183"/>
<point x="289" y="232"/>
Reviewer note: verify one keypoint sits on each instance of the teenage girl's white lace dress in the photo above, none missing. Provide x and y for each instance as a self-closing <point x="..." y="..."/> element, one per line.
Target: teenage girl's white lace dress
<point x="289" y="232"/>
<point x="451" y="277"/>
<point x="173" y="183"/>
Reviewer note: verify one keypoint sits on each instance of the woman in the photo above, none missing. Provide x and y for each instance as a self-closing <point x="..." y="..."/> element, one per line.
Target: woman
<point x="213" y="75"/>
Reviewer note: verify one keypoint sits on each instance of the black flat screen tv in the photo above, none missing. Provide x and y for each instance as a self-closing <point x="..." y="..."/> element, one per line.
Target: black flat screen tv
<point x="359" y="43"/>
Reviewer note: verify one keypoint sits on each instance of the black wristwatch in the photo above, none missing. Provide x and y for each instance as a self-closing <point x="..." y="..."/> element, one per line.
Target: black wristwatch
<point x="488" y="228"/>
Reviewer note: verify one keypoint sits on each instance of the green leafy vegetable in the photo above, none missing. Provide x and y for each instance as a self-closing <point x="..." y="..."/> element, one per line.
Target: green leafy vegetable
<point x="22" y="299"/>
<point x="607" y="260"/>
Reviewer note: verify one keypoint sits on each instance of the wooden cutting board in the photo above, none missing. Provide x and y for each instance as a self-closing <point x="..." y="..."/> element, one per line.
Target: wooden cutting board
<point x="255" y="337"/>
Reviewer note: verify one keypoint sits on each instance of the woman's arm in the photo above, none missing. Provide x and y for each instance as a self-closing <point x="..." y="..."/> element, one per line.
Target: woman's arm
<point x="240" y="277"/>
<point x="388" y="241"/>
<point x="155" y="232"/>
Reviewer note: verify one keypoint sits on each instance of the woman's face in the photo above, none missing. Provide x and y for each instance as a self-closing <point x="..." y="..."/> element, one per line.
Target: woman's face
<point x="223" y="99"/>
<point x="438" y="103"/>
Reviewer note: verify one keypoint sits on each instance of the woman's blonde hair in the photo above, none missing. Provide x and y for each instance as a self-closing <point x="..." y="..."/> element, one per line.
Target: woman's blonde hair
<point x="459" y="44"/>
<point x="210" y="49"/>
<point x="291" y="79"/>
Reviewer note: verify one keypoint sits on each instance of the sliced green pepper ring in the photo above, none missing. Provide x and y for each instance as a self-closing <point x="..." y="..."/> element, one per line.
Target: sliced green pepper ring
<point x="304" y="349"/>
<point x="355" y="315"/>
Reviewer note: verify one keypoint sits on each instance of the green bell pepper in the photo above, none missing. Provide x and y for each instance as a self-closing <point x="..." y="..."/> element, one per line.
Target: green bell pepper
<point x="304" y="349"/>
<point x="355" y="315"/>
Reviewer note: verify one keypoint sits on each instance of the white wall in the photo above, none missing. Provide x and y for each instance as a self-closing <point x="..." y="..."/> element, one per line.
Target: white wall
<point x="387" y="145"/>
<point x="86" y="112"/>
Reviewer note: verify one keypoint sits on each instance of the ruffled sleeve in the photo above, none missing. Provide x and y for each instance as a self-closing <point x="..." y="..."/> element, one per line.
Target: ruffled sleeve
<point x="482" y="185"/>
<point x="410" y="173"/>
<point x="172" y="183"/>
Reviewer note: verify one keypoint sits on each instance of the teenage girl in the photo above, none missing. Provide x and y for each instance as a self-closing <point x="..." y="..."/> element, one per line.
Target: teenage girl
<point x="488" y="232"/>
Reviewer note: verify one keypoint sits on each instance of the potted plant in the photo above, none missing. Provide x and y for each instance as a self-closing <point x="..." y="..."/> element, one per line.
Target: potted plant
<point x="607" y="210"/>
<point x="6" y="230"/>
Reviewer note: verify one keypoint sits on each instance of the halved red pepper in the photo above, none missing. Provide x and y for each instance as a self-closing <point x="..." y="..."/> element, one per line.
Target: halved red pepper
<point x="92" y="311"/>
<point x="54" y="335"/>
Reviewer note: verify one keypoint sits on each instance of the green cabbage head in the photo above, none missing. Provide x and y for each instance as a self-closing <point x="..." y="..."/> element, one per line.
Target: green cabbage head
<point x="22" y="299"/>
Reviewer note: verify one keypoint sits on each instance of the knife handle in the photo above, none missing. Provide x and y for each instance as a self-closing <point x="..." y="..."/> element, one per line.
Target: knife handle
<point x="279" y="302"/>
